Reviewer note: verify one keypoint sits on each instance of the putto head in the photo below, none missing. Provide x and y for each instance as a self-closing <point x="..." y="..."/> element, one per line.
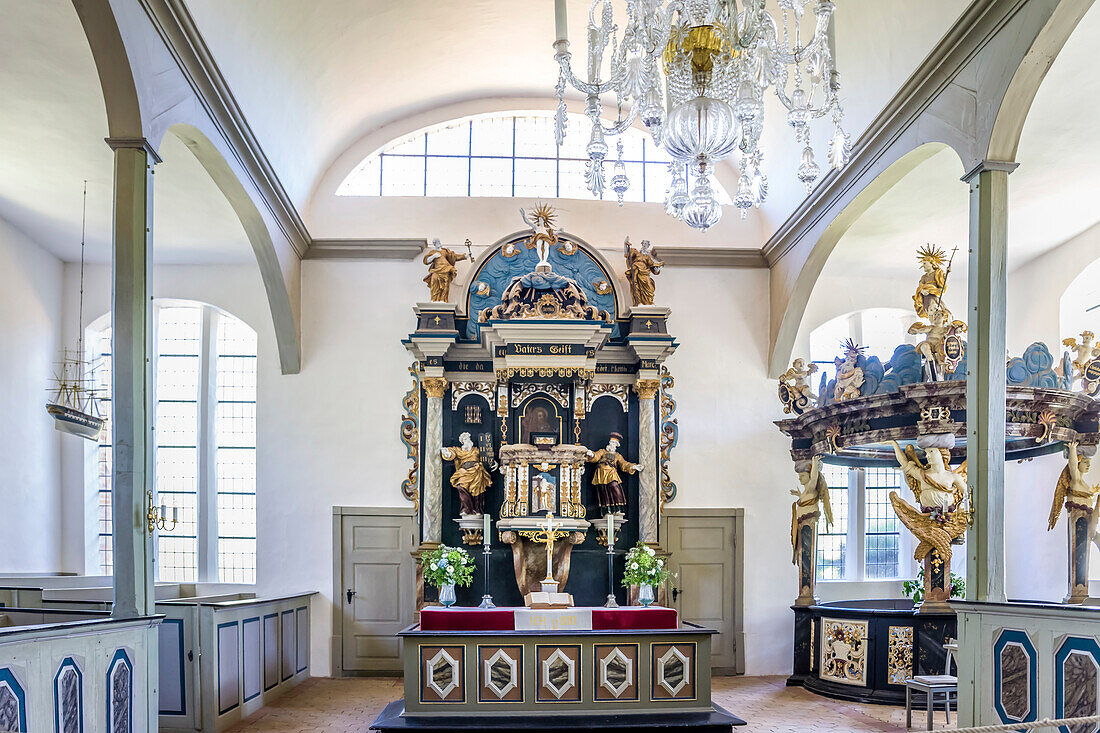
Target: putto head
<point x="932" y="256"/>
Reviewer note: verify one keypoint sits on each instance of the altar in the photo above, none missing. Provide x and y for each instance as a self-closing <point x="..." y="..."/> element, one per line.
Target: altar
<point x="584" y="668"/>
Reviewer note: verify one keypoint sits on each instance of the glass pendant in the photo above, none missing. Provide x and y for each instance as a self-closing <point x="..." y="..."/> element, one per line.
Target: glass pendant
<point x="701" y="128"/>
<point x="678" y="197"/>
<point x="704" y="211"/>
<point x="808" y="171"/>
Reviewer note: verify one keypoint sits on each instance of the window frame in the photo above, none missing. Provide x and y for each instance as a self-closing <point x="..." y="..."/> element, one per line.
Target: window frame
<point x="207" y="569"/>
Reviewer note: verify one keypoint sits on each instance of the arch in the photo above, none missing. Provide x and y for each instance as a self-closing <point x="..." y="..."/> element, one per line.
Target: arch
<point x="278" y="298"/>
<point x="808" y="275"/>
<point x="116" y="77"/>
<point x="620" y="297"/>
<point x="1074" y="302"/>
<point x="1012" y="112"/>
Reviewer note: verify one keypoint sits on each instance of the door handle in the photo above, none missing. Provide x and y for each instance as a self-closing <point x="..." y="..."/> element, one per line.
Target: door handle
<point x="351" y="593"/>
<point x="675" y="593"/>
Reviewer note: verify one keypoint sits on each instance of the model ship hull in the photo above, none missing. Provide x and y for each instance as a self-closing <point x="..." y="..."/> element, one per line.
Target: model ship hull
<point x="75" y="422"/>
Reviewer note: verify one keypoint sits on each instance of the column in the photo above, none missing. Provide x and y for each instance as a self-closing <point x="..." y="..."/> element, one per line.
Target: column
<point x="647" y="457"/>
<point x="131" y="396"/>
<point x="434" y="387"/>
<point x="985" y="379"/>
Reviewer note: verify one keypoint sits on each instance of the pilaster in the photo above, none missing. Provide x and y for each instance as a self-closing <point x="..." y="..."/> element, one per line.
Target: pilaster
<point x="647" y="457"/>
<point x="985" y="378"/>
<point x="131" y="395"/>
<point x="434" y="389"/>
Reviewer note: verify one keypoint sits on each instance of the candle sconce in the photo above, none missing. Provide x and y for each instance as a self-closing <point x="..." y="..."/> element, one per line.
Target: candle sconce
<point x="158" y="518"/>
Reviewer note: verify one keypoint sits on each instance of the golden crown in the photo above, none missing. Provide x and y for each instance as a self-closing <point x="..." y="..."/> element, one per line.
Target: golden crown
<point x="931" y="253"/>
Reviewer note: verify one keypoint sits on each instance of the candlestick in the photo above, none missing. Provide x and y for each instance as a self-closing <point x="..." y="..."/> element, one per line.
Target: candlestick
<point x="611" y="602"/>
<point x="560" y="24"/>
<point x="486" y="551"/>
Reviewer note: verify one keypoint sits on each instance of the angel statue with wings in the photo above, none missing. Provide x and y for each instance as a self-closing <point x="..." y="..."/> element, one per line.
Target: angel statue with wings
<point x="1080" y="501"/>
<point x="940" y="517"/>
<point x="805" y="511"/>
<point x="1084" y="352"/>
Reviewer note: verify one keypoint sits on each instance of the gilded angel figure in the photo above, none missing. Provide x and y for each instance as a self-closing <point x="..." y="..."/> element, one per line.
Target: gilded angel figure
<point x="804" y="509"/>
<point x="1072" y="490"/>
<point x="941" y="497"/>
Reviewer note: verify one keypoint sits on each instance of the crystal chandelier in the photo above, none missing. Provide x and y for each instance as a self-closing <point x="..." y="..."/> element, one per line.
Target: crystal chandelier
<point x="695" y="72"/>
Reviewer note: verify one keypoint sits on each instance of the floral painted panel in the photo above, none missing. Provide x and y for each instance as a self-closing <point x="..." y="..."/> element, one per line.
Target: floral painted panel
<point x="899" y="654"/>
<point x="844" y="651"/>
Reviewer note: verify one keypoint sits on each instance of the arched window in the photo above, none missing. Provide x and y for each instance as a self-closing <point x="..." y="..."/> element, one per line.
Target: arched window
<point x="506" y="155"/>
<point x="204" y="389"/>
<point x="866" y="541"/>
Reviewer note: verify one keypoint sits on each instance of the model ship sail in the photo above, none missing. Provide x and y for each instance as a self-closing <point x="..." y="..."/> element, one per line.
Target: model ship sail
<point x="73" y="407"/>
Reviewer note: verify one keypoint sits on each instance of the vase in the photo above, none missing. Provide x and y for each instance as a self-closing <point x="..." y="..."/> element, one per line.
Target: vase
<point x="447" y="594"/>
<point x="645" y="594"/>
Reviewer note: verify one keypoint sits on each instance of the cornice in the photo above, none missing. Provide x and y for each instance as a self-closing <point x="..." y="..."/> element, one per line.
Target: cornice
<point x="183" y="40"/>
<point x="365" y="249"/>
<point x="710" y="257"/>
<point x="979" y="23"/>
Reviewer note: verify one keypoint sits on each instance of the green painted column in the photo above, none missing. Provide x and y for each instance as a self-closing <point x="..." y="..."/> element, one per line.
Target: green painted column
<point x="985" y="379"/>
<point x="132" y="391"/>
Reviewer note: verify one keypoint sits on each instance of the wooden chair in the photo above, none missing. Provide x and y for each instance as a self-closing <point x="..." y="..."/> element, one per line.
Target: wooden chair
<point x="931" y="685"/>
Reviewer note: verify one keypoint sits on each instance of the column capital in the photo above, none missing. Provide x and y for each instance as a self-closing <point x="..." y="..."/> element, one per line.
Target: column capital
<point x="1006" y="166"/>
<point x="434" y="386"/>
<point x="133" y="143"/>
<point x="647" y="388"/>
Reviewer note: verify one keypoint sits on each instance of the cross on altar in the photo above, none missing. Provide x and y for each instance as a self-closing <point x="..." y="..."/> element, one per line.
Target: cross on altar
<point x="548" y="535"/>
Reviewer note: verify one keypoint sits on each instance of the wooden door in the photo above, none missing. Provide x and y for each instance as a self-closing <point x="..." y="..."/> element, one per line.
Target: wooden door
<point x="705" y="590"/>
<point x="378" y="592"/>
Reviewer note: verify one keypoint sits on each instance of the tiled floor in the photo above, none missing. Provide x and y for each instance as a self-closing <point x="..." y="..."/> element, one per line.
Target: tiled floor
<point x="349" y="705"/>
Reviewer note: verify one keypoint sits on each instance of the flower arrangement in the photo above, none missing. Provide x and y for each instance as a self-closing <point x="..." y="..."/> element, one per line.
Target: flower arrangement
<point x="448" y="565"/>
<point x="643" y="567"/>
<point x="915" y="588"/>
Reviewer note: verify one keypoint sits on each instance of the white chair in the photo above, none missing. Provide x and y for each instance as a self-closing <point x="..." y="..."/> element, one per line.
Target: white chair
<point x="931" y="685"/>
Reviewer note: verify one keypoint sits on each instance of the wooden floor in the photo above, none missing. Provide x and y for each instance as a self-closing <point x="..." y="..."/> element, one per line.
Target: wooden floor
<point x="349" y="705"/>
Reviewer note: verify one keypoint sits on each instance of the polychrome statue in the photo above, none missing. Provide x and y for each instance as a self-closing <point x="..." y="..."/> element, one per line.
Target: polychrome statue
<point x="441" y="270"/>
<point x="940" y="326"/>
<point x="470" y="478"/>
<point x="1083" y="353"/>
<point x="794" y="391"/>
<point x="1080" y="501"/>
<point x="544" y="237"/>
<point x="932" y="282"/>
<point x="849" y="376"/>
<point x="804" y="510"/>
<point x="641" y="266"/>
<point x="608" y="483"/>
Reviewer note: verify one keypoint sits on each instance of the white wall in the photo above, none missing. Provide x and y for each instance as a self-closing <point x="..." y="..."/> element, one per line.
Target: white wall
<point x="30" y="333"/>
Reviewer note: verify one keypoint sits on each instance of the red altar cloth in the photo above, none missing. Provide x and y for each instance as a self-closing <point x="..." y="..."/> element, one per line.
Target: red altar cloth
<point x="633" y="618"/>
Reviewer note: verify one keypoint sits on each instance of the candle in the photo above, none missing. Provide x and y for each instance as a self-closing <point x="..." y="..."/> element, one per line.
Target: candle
<point x="560" y="24"/>
<point x="163" y="511"/>
<point x="485" y="529"/>
<point x="175" y="514"/>
<point x="610" y="530"/>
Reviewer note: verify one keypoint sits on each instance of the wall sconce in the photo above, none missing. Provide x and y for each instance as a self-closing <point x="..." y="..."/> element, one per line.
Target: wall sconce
<point x="158" y="518"/>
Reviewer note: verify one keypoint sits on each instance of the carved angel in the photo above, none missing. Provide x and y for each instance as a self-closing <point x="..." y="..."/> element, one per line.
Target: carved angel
<point x="941" y="495"/>
<point x="936" y="331"/>
<point x="1084" y="352"/>
<point x="1072" y="487"/>
<point x="814" y="491"/>
<point x="544" y="237"/>
<point x="800" y="394"/>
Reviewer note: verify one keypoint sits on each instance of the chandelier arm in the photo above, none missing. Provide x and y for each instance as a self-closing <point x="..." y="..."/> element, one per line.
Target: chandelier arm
<point x="620" y="126"/>
<point x="587" y="87"/>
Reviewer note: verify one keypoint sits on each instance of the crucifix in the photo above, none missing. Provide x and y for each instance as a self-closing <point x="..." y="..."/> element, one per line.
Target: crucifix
<point x="550" y="533"/>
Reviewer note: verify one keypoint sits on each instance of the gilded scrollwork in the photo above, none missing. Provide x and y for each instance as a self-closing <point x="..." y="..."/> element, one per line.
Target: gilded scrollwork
<point x="899" y="654"/>
<point x="410" y="436"/>
<point x="503" y="375"/>
<point x="647" y="388"/>
<point x="557" y="392"/>
<point x="434" y="386"/>
<point x="620" y="392"/>
<point x="461" y="389"/>
<point x="670" y="435"/>
<point x="844" y="651"/>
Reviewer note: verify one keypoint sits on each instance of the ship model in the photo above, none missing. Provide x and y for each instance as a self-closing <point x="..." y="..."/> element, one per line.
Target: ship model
<point x="74" y="406"/>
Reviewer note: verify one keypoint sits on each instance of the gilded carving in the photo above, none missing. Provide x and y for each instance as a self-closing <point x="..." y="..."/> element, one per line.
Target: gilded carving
<point x="1084" y="353"/>
<point x="647" y="388"/>
<point x="670" y="434"/>
<point x="461" y="389"/>
<point x="441" y="270"/>
<point x="844" y="651"/>
<point x="621" y="392"/>
<point x="434" y="386"/>
<point x="641" y="266"/>
<point x="410" y="436"/>
<point x="899" y="654"/>
<point x="1072" y="491"/>
<point x="503" y="375"/>
<point x="558" y="392"/>
<point x="794" y="391"/>
<point x="849" y="377"/>
<point x="932" y="282"/>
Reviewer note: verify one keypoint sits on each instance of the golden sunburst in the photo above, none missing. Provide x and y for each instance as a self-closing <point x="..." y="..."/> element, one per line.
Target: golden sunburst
<point x="933" y="254"/>
<point x="544" y="214"/>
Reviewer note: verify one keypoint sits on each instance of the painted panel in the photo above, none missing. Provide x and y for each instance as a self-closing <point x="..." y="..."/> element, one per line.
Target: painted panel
<point x="302" y="626"/>
<point x="899" y="654"/>
<point x="250" y="641"/>
<point x="120" y="697"/>
<point x="673" y="673"/>
<point x="290" y="644"/>
<point x="271" y="650"/>
<point x="1077" y="682"/>
<point x="173" y="678"/>
<point x="500" y="673"/>
<point x="68" y="697"/>
<point x="615" y="672"/>
<point x="229" y="666"/>
<point x="844" y="651"/>
<point x="558" y="670"/>
<point x="13" y="703"/>
<point x="1015" y="677"/>
<point x="442" y="674"/>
